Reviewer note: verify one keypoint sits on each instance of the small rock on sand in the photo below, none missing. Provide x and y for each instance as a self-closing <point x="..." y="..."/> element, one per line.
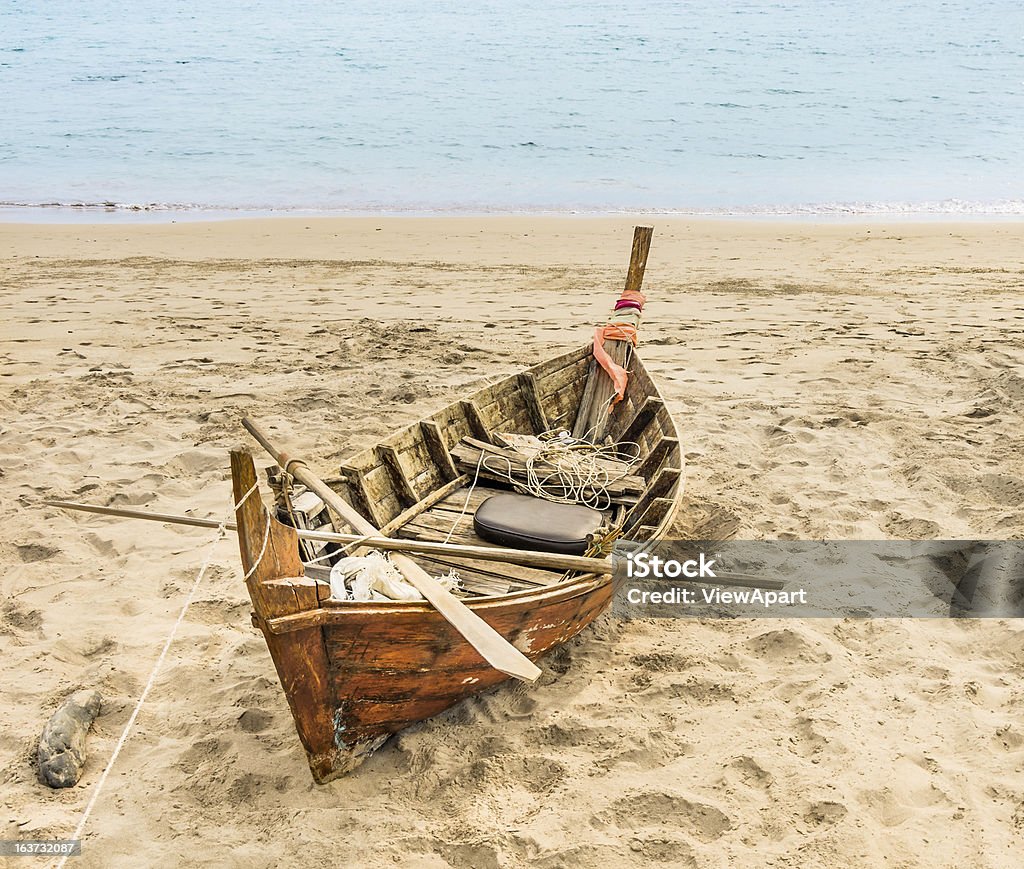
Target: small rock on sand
<point x="62" y="744"/>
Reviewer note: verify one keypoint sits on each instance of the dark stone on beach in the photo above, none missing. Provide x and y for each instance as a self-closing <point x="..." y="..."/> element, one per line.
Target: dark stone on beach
<point x="61" y="752"/>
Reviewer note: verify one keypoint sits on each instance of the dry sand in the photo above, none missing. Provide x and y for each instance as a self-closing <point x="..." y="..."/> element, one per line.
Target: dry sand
<point x="831" y="381"/>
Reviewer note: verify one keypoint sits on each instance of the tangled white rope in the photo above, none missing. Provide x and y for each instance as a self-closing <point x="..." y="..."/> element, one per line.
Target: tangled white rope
<point x="159" y="664"/>
<point x="572" y="471"/>
<point x="564" y="469"/>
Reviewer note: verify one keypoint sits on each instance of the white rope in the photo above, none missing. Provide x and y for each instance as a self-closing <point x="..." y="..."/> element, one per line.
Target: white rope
<point x="469" y="494"/>
<point x="263" y="550"/>
<point x="574" y="476"/>
<point x="156" y="669"/>
<point x="568" y="470"/>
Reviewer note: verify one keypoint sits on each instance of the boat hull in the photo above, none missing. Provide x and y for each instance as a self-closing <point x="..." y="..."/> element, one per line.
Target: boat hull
<point x="396" y="668"/>
<point x="354" y="673"/>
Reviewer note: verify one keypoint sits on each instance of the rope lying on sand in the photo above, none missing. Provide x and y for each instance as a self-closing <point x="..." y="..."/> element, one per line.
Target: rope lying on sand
<point x="159" y="664"/>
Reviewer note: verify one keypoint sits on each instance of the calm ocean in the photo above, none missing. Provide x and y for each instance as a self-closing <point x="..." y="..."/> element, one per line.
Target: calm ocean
<point x="711" y="106"/>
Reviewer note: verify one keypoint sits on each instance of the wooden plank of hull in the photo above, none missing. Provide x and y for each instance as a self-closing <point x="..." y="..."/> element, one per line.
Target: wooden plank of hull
<point x="658" y="456"/>
<point x="489" y="577"/>
<point x="650" y="516"/>
<point x="530" y="396"/>
<point x="642" y="420"/>
<point x="434" y="440"/>
<point x="425" y="504"/>
<point x="561" y="394"/>
<point x="300" y="658"/>
<point x="389" y="457"/>
<point x="473" y="581"/>
<point x="368" y="504"/>
<point x="389" y="672"/>
<point x="477" y="423"/>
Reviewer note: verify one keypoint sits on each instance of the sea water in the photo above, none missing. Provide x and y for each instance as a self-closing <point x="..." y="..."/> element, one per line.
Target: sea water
<point x="710" y="106"/>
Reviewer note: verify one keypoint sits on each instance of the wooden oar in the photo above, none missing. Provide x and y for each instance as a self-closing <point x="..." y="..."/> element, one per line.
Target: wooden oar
<point x="528" y="558"/>
<point x="492" y="646"/>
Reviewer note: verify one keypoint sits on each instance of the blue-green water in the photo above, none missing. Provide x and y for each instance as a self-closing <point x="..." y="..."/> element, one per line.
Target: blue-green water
<point x="724" y="106"/>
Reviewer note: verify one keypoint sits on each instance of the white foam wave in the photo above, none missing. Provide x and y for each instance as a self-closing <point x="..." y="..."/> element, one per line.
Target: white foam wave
<point x="940" y="207"/>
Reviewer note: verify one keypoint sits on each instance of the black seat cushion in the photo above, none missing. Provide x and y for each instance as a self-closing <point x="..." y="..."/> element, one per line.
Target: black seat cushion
<point x="525" y="522"/>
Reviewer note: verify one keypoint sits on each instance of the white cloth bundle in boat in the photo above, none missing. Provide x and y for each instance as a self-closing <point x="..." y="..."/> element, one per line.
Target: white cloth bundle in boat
<point x="374" y="577"/>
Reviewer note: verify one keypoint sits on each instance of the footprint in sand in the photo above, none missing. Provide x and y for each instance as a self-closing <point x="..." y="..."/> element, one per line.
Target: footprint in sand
<point x="255" y="720"/>
<point x="825" y="814"/>
<point x="806" y="741"/>
<point x="1006" y="738"/>
<point x="750" y="773"/>
<point x="662" y="810"/>
<point x="32" y="552"/>
<point x="20" y="618"/>
<point x="660" y="849"/>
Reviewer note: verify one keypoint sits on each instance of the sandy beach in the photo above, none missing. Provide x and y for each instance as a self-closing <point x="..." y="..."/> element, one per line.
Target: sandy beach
<point x="831" y="381"/>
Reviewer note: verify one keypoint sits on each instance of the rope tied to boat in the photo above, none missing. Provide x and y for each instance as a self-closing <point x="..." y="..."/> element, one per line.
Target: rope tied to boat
<point x="568" y="470"/>
<point x="218" y="536"/>
<point x="289" y="463"/>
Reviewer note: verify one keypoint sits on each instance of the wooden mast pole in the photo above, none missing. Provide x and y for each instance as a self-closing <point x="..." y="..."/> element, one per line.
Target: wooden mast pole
<point x="594" y="415"/>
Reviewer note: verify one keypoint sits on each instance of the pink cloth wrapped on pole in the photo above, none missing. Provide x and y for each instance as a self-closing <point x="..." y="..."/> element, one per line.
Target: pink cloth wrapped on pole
<point x="618" y="331"/>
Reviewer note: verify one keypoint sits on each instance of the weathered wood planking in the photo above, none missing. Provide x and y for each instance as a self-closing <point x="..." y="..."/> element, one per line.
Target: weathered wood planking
<point x="478" y="425"/>
<point x="439" y="451"/>
<point x="530" y="396"/>
<point x="380" y="663"/>
<point x="270" y="554"/>
<point x="387" y="665"/>
<point x="525" y="402"/>
<point x="400" y="482"/>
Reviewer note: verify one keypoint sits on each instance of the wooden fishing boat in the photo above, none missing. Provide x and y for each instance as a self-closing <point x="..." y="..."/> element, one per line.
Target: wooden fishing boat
<point x="356" y="672"/>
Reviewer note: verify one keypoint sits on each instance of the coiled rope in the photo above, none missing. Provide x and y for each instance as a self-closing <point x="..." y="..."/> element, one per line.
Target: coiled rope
<point x="564" y="469"/>
<point x="569" y="470"/>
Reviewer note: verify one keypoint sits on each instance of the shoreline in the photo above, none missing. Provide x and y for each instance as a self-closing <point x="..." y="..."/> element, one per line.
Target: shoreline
<point x="756" y="255"/>
<point x="122" y="215"/>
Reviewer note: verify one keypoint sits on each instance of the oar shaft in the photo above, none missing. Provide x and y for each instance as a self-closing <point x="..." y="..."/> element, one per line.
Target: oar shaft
<point x="170" y="518"/>
<point x="543" y="560"/>
<point x="551" y="560"/>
